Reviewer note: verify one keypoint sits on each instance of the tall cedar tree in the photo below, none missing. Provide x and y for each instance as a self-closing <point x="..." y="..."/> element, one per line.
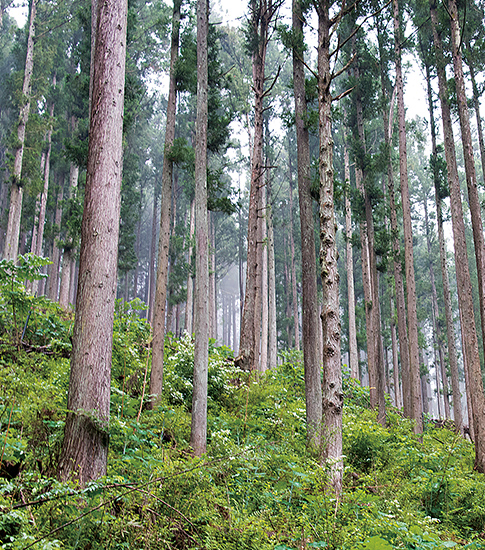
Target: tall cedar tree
<point x="85" y="446"/>
<point x="17" y="190"/>
<point x="471" y="358"/>
<point x="332" y="375"/>
<point x="198" y="434"/>
<point x="262" y="16"/>
<point x="156" y="374"/>
<point x="415" y="382"/>
<point x="310" y="328"/>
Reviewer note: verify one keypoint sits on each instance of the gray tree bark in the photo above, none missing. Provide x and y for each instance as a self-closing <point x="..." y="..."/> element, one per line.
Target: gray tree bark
<point x="17" y="190"/>
<point x="198" y="434"/>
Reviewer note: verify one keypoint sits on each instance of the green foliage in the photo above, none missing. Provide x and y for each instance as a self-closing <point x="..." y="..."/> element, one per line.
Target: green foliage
<point x="257" y="487"/>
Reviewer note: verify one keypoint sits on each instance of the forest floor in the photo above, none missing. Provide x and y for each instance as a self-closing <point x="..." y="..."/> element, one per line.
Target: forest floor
<point x="256" y="488"/>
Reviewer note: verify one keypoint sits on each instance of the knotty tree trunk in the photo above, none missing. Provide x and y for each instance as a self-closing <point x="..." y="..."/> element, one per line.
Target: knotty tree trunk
<point x="17" y="190"/>
<point x="332" y="375"/>
<point x="158" y="324"/>
<point x="85" y="447"/>
<point x="310" y="328"/>
<point x="416" y="401"/>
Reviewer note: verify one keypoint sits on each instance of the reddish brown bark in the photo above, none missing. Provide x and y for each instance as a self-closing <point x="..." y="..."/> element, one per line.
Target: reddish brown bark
<point x="85" y="446"/>
<point x="158" y="323"/>
<point x="310" y="328"/>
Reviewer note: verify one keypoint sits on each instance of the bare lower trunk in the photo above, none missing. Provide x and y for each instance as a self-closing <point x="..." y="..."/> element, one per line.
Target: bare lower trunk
<point x="450" y="327"/>
<point x="260" y="20"/>
<point x="293" y="263"/>
<point x="395" y="361"/>
<point x="198" y="434"/>
<point x="467" y="316"/>
<point x="153" y="251"/>
<point x="470" y="172"/>
<point x="310" y="321"/>
<point x="397" y="268"/>
<point x="272" y="337"/>
<point x="65" y="278"/>
<point x="416" y="401"/>
<point x="212" y="280"/>
<point x="43" y="200"/>
<point x="53" y="281"/>
<point x="158" y="326"/>
<point x="373" y="317"/>
<point x="349" y="263"/>
<point x="189" y="309"/>
<point x="86" y="436"/>
<point x="16" y="190"/>
<point x="263" y="364"/>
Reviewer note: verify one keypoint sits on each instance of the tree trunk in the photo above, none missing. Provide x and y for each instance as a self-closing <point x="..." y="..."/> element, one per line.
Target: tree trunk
<point x="17" y="190"/>
<point x="158" y="327"/>
<point x="373" y="317"/>
<point x="438" y="337"/>
<point x="212" y="279"/>
<point x="470" y="172"/>
<point x="450" y="326"/>
<point x="189" y="308"/>
<point x="153" y="250"/>
<point x="272" y="335"/>
<point x="332" y="375"/>
<point x="397" y="268"/>
<point x="65" y="277"/>
<point x="349" y="264"/>
<point x="293" y="262"/>
<point x="263" y="363"/>
<point x="86" y="436"/>
<point x="198" y="434"/>
<point x="260" y="19"/>
<point x="476" y="106"/>
<point x="43" y="200"/>
<point x="467" y="316"/>
<point x="53" y="281"/>
<point x="416" y="401"/>
<point x="395" y="361"/>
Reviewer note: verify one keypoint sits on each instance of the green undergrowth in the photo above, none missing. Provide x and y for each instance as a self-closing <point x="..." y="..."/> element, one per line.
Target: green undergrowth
<point x="256" y="488"/>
